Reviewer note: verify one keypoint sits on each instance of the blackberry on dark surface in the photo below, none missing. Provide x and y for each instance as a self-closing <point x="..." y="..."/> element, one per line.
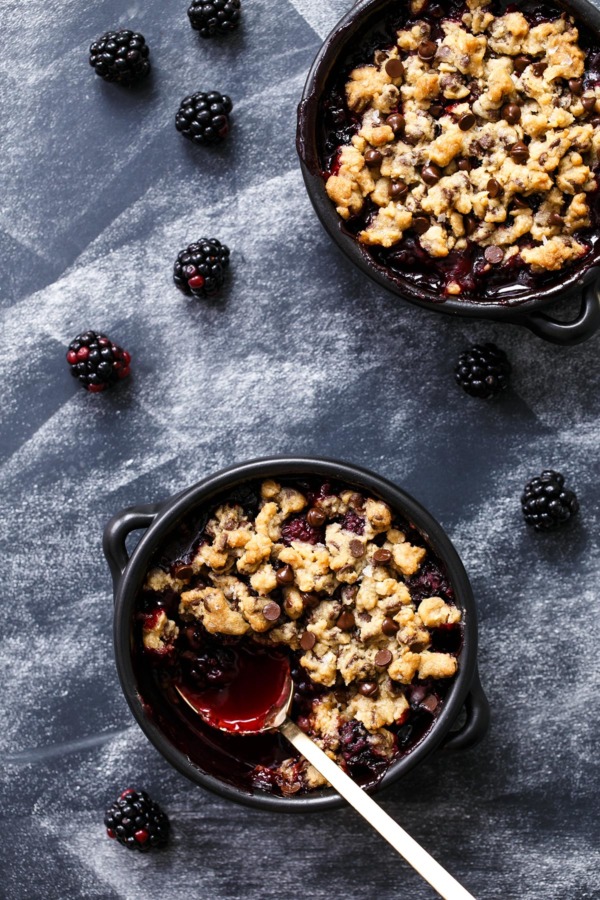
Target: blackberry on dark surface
<point x="211" y="17"/>
<point x="546" y="503"/>
<point x="200" y="269"/>
<point x="120" y="56"/>
<point x="96" y="362"/>
<point x="483" y="370"/>
<point x="137" y="822"/>
<point x="204" y="117"/>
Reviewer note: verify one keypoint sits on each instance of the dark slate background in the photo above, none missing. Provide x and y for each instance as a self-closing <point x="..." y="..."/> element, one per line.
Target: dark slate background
<point x="302" y="355"/>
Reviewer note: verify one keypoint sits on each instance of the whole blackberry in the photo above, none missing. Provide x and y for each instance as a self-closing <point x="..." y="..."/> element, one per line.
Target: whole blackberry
<point x="120" y="56"/>
<point x="204" y="117"/>
<point x="200" y="268"/>
<point x="483" y="370"/>
<point x="96" y="361"/>
<point x="545" y="502"/>
<point x="137" y="822"/>
<point x="211" y="17"/>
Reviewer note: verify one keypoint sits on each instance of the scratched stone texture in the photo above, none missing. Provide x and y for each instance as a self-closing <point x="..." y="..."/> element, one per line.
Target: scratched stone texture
<point x="98" y="193"/>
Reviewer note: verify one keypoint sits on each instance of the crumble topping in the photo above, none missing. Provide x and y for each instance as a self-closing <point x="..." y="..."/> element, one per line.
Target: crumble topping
<point x="484" y="130"/>
<point x="330" y="575"/>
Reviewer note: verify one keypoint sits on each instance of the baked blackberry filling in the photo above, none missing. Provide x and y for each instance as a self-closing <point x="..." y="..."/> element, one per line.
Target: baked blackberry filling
<point x="460" y="145"/>
<point x="308" y="575"/>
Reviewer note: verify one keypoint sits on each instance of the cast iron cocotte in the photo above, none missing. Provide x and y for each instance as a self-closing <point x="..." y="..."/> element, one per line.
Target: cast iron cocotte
<point x="527" y="311"/>
<point x="465" y="697"/>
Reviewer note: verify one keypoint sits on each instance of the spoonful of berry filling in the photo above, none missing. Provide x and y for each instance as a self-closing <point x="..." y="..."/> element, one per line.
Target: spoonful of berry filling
<point x="256" y="698"/>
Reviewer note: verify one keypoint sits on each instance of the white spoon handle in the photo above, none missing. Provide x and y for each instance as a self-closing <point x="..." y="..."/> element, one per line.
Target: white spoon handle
<point x="413" y="853"/>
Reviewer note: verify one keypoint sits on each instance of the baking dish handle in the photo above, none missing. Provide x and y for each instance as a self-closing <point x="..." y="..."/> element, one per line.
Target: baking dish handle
<point x="477" y="720"/>
<point x="580" y="329"/>
<point x="116" y="531"/>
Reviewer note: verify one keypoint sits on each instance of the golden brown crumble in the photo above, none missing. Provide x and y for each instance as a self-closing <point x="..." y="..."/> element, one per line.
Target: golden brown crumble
<point x="521" y="116"/>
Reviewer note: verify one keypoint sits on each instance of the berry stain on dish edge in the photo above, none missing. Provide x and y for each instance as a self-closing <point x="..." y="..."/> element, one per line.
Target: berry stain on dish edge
<point x="354" y="602"/>
<point x="409" y="133"/>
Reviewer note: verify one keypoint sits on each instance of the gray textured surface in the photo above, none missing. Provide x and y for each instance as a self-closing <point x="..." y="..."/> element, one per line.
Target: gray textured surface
<point x="98" y="193"/>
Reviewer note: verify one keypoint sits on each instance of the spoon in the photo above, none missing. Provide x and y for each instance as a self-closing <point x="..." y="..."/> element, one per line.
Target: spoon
<point x="223" y="717"/>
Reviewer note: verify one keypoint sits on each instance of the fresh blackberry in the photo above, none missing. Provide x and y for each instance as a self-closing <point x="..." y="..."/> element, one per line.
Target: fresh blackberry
<point x="204" y="117"/>
<point x="137" y="822"/>
<point x="211" y="17"/>
<point x="200" y="268"/>
<point x="299" y="529"/>
<point x="545" y="502"/>
<point x="96" y="361"/>
<point x="120" y="56"/>
<point x="483" y="370"/>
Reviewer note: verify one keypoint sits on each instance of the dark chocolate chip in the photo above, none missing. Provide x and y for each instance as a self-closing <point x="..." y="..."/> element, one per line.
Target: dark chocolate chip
<point x="576" y="86"/>
<point x="596" y="122"/>
<point x="316" y="517"/>
<point x="357" y="549"/>
<point x="431" y="174"/>
<point x="398" y="190"/>
<point x="494" y="188"/>
<point x="512" y="113"/>
<point x="494" y="254"/>
<point x="589" y="103"/>
<point x="368" y="688"/>
<point x="285" y="575"/>
<point x="471" y="224"/>
<point x="519" y="152"/>
<point x="464" y="165"/>
<point x="373" y="158"/>
<point x="346" y="621"/>
<point x="555" y="220"/>
<point x="390" y="627"/>
<point x="272" y="611"/>
<point x="308" y="640"/>
<point x="394" y="68"/>
<point x="396" y="122"/>
<point x="519" y="203"/>
<point x="183" y="571"/>
<point x="436" y="110"/>
<point x="430" y="703"/>
<point x="521" y="63"/>
<point x="427" y="50"/>
<point x="382" y="556"/>
<point x="383" y="658"/>
<point x="466" y="121"/>
<point x="539" y="68"/>
<point x="420" y="224"/>
<point x="310" y="600"/>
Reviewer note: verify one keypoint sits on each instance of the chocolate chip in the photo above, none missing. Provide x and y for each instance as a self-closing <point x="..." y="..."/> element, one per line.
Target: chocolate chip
<point x="596" y="122"/>
<point x="382" y="556"/>
<point x="398" y="190"/>
<point x="285" y="575"/>
<point x="519" y="152"/>
<point x="383" y="658"/>
<point x="494" y="254"/>
<point x="519" y="203"/>
<point x="346" y="621"/>
<point x="436" y="110"/>
<point x="368" y="688"/>
<point x="396" y="122"/>
<point x="310" y="600"/>
<point x="589" y="103"/>
<point x="576" y="86"/>
<point x="427" y="50"/>
<point x="316" y="517"/>
<point x="394" y="68"/>
<point x="512" y="113"/>
<point x="464" y="165"/>
<point x="539" y="68"/>
<point x="471" y="224"/>
<point x="420" y="224"/>
<point x="357" y="549"/>
<point x="555" y="220"/>
<point x="272" y="611"/>
<point x="390" y="627"/>
<point x="182" y="570"/>
<point x="521" y="63"/>
<point x="373" y="158"/>
<point x="494" y="188"/>
<point x="430" y="703"/>
<point x="466" y="121"/>
<point x="308" y="640"/>
<point x="431" y="174"/>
